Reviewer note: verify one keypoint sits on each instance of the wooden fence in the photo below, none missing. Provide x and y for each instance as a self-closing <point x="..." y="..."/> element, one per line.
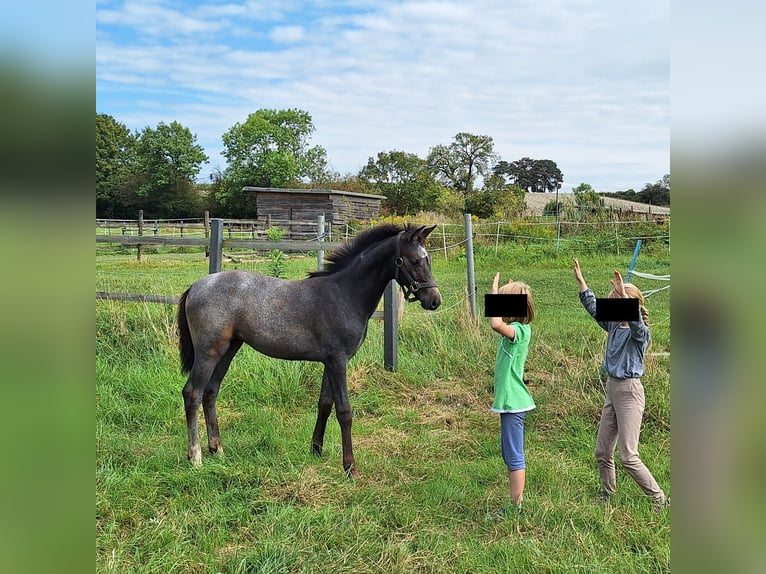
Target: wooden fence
<point x="215" y="244"/>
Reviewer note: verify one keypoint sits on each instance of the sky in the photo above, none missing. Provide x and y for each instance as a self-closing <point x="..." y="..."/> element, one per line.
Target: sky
<point x="585" y="83"/>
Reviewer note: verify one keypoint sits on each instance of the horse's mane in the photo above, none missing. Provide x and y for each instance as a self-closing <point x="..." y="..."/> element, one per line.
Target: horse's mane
<point x="341" y="257"/>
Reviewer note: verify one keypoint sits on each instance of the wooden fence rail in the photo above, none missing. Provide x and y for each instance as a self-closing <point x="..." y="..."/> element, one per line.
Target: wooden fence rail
<point x="216" y="244"/>
<point x="139" y="298"/>
<point x="293" y="245"/>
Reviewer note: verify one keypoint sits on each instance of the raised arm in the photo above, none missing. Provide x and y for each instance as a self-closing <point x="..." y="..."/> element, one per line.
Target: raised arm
<point x="639" y="330"/>
<point x="587" y="298"/>
<point x="497" y="323"/>
<point x="578" y="276"/>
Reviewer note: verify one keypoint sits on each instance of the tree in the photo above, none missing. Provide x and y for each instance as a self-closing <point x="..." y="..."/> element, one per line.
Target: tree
<point x="115" y="161"/>
<point x="404" y="179"/>
<point x="497" y="199"/>
<point x="586" y="196"/>
<point x="168" y="159"/>
<point x="461" y="162"/>
<point x="656" y="193"/>
<point x="509" y="200"/>
<point x="533" y="175"/>
<point x="270" y="149"/>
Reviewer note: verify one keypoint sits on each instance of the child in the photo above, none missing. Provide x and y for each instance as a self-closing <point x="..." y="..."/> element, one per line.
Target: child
<point x="512" y="398"/>
<point x="623" y="409"/>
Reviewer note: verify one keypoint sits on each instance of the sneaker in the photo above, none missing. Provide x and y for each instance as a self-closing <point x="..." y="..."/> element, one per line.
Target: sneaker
<point x="662" y="504"/>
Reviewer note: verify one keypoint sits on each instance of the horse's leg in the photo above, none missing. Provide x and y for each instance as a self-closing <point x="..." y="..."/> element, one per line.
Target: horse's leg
<point x="199" y="377"/>
<point x="324" y="408"/>
<point x="210" y="395"/>
<point x="336" y="371"/>
<point x="192" y="393"/>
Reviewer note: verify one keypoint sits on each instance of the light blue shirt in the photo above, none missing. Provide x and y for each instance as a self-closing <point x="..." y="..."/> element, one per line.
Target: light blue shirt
<point x="625" y="346"/>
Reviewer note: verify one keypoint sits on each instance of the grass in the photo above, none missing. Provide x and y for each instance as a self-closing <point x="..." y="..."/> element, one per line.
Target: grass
<point x="425" y="441"/>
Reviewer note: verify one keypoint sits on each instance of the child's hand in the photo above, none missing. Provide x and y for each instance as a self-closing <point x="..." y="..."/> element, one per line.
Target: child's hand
<point x="619" y="286"/>
<point x="577" y="272"/>
<point x="495" y="283"/>
<point x="578" y="275"/>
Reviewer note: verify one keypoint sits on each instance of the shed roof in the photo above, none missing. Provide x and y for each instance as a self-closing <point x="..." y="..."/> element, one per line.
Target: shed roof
<point x="312" y="191"/>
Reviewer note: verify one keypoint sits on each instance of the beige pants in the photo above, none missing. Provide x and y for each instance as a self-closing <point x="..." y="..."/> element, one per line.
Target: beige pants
<point x="621" y="425"/>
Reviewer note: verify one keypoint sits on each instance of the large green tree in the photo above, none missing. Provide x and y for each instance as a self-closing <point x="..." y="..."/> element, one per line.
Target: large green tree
<point x="168" y="160"/>
<point x="115" y="162"/>
<point x="404" y="179"/>
<point x="460" y="163"/>
<point x="270" y="149"/>
<point x="533" y="175"/>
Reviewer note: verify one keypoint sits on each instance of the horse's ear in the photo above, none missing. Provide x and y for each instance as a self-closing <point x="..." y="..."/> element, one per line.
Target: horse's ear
<point x="422" y="233"/>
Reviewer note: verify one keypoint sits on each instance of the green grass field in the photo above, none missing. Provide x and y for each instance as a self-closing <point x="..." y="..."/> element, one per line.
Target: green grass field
<point x="426" y="443"/>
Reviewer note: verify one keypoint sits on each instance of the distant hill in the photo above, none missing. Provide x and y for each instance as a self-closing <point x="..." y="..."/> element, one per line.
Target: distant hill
<point x="536" y="202"/>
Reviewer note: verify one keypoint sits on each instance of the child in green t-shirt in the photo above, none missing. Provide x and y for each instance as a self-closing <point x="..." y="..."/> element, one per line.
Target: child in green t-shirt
<point x="512" y="397"/>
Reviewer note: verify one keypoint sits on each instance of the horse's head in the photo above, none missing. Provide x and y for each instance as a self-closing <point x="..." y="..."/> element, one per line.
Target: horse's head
<point x="413" y="267"/>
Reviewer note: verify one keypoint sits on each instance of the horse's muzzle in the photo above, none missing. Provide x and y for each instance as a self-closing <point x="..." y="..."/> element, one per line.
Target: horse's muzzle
<point x="430" y="298"/>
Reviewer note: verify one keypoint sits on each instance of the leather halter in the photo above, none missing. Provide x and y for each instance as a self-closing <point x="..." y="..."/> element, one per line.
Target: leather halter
<point x="412" y="287"/>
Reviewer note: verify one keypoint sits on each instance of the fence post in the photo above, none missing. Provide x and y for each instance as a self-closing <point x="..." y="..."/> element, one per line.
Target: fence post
<point x="390" y="326"/>
<point x="469" y="262"/>
<point x="633" y="261"/>
<point x="216" y="244"/>
<point x="320" y="237"/>
<point x="140" y="229"/>
<point x="206" y="225"/>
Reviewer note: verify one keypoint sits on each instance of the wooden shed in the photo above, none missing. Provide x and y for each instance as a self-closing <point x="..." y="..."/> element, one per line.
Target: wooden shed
<point x="288" y="208"/>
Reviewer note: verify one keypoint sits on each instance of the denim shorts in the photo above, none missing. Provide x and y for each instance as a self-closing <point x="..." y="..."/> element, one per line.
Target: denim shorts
<point x="512" y="440"/>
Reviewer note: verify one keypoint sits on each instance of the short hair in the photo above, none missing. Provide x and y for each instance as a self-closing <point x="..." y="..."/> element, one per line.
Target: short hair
<point x="519" y="288"/>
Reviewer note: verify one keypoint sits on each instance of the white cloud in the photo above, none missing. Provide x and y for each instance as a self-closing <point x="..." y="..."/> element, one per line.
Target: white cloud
<point x="584" y="84"/>
<point x="287" y="34"/>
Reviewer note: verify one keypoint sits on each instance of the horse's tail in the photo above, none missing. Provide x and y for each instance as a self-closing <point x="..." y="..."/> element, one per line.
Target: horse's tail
<point x="185" y="344"/>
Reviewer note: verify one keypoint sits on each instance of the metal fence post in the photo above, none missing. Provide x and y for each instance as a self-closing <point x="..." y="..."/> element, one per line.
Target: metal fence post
<point x="390" y="326"/>
<point x="320" y="237"/>
<point x="216" y="244"/>
<point x="140" y="230"/>
<point x="469" y="263"/>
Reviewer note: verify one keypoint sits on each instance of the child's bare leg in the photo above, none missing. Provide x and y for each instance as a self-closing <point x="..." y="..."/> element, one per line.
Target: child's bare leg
<point x="516" y="480"/>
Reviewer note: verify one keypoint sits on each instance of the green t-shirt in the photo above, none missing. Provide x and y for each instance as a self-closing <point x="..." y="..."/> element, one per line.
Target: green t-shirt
<point x="511" y="394"/>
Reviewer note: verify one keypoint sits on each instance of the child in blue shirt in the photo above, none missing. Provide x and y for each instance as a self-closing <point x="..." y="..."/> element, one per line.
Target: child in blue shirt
<point x="620" y="423"/>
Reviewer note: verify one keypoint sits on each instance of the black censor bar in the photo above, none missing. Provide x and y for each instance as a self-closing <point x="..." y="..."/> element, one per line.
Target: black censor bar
<point x="505" y="305"/>
<point x="617" y="310"/>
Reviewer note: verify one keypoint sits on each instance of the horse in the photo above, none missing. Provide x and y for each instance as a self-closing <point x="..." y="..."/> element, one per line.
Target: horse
<point x="322" y="317"/>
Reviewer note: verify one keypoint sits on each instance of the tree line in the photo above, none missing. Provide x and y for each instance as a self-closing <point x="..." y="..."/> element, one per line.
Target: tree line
<point x="156" y="169"/>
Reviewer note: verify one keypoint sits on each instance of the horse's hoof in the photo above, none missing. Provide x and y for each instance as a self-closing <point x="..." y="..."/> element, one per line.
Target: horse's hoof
<point x="195" y="458"/>
<point x="316" y="449"/>
<point x="218" y="451"/>
<point x="351" y="472"/>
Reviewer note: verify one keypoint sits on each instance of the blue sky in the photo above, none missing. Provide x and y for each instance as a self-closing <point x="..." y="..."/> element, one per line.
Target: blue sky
<point x="584" y="83"/>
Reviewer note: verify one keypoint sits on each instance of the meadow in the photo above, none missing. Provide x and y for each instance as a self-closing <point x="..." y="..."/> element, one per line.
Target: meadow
<point x="426" y="444"/>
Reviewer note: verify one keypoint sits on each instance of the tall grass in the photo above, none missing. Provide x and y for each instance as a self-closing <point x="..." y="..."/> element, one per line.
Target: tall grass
<point x="425" y="441"/>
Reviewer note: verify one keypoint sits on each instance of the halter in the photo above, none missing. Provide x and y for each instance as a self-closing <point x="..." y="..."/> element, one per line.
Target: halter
<point x="413" y="287"/>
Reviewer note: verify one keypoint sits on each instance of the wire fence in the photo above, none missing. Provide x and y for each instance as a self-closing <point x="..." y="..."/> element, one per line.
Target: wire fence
<point x="544" y="233"/>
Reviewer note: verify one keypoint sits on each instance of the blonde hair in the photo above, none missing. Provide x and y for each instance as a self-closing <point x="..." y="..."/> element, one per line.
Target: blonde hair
<point x="634" y="292"/>
<point x="519" y="288"/>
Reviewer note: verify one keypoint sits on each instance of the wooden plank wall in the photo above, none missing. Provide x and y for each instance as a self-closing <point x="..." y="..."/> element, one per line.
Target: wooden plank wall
<point x="337" y="209"/>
